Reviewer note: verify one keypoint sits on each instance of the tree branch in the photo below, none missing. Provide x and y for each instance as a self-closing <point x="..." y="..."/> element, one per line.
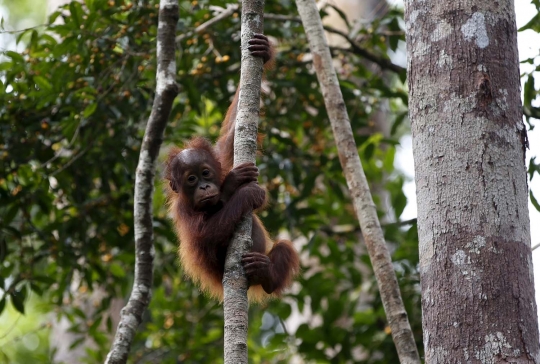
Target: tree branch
<point x="358" y="186"/>
<point x="355" y="48"/>
<point x="347" y="229"/>
<point x="224" y="13"/>
<point x="166" y="91"/>
<point x="235" y="285"/>
<point x="532" y="112"/>
<point x="280" y="17"/>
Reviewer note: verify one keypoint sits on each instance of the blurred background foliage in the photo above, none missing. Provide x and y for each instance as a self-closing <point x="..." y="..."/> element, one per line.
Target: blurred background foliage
<point x="75" y="98"/>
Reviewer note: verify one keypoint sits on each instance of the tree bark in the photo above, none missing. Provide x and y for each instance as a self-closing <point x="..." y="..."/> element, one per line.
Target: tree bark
<point x="469" y="145"/>
<point x="166" y="91"/>
<point x="356" y="180"/>
<point x="235" y="285"/>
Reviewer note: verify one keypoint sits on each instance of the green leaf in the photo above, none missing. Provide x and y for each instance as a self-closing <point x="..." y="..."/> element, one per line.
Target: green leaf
<point x="397" y="123"/>
<point x="365" y="317"/>
<point x="533" y="24"/>
<point x="399" y="201"/>
<point x="15" y="56"/>
<point x="43" y="279"/>
<point x="4" y="66"/>
<point x="53" y="16"/>
<point x="2" y="304"/>
<point x="21" y="35"/>
<point x="369" y="150"/>
<point x="25" y="175"/>
<point x="77" y="342"/>
<point x="10" y="214"/>
<point x="90" y="109"/>
<point x="68" y="127"/>
<point x="89" y="4"/>
<point x="35" y="288"/>
<point x="34" y="37"/>
<point x="95" y="324"/>
<point x="529" y="92"/>
<point x="534" y="201"/>
<point x="306" y="334"/>
<point x="43" y="83"/>
<point x="533" y="168"/>
<point x="3" y="251"/>
<point x="388" y="161"/>
<point x="117" y="270"/>
<point x="11" y="230"/>
<point x="18" y="298"/>
<point x="76" y="12"/>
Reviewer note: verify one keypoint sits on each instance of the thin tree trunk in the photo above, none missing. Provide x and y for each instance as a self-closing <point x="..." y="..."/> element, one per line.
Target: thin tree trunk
<point x="235" y="285"/>
<point x="166" y="91"/>
<point x="358" y="186"/>
<point x="469" y="145"/>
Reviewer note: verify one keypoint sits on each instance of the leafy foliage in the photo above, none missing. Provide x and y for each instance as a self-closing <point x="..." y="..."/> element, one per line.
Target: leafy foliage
<point x="72" y="111"/>
<point x="531" y="93"/>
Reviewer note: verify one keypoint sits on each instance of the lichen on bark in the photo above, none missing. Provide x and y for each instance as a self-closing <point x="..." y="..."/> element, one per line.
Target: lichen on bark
<point x="473" y="224"/>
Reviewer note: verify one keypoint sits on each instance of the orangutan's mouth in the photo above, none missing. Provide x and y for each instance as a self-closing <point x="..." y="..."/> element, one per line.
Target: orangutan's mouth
<point x="207" y="198"/>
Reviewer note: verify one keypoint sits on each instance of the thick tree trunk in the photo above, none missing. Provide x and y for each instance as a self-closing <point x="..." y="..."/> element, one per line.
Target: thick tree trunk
<point x="469" y="143"/>
<point x="235" y="285"/>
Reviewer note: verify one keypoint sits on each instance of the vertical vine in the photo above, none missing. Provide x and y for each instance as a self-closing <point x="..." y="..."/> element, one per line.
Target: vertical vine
<point x="166" y="91"/>
<point x="364" y="206"/>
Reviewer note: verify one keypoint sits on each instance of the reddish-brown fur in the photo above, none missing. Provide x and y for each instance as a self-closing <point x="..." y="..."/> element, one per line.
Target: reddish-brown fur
<point x="205" y="233"/>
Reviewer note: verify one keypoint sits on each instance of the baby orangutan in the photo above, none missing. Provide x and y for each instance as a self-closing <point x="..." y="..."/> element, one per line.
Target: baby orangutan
<point x="207" y="200"/>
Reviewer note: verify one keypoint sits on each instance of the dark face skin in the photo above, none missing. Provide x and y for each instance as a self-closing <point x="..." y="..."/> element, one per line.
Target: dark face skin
<point x="197" y="178"/>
